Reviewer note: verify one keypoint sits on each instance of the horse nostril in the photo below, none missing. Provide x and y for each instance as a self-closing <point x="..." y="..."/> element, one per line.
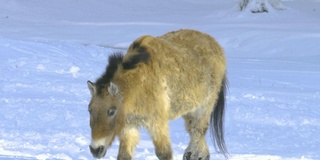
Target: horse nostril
<point x="100" y="150"/>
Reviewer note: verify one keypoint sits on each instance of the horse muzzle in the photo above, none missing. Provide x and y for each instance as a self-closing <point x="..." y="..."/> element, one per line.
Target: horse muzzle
<point x="98" y="152"/>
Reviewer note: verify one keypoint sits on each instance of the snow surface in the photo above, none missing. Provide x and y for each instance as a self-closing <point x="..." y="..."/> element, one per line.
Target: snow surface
<point x="49" y="49"/>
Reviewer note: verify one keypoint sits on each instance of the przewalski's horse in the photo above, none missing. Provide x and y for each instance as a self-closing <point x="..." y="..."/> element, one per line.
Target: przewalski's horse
<point x="181" y="73"/>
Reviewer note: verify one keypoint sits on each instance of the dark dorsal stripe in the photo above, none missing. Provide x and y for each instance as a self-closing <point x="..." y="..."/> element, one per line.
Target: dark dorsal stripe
<point x="134" y="60"/>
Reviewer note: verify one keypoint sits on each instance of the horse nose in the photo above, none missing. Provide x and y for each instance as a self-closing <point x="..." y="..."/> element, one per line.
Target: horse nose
<point x="98" y="152"/>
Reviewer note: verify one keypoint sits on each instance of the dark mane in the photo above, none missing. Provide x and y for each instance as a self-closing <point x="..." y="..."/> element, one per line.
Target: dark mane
<point x="114" y="60"/>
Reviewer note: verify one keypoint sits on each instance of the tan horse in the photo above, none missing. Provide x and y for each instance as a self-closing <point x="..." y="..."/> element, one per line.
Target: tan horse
<point x="181" y="73"/>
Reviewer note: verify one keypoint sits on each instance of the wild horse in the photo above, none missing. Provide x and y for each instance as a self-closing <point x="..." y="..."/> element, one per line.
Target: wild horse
<point x="181" y="73"/>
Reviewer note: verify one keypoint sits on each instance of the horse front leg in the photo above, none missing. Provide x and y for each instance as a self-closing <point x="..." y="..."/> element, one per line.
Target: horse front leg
<point x="129" y="139"/>
<point x="160" y="137"/>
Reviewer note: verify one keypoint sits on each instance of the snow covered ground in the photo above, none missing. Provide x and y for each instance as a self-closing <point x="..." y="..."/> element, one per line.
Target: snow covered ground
<point x="49" y="49"/>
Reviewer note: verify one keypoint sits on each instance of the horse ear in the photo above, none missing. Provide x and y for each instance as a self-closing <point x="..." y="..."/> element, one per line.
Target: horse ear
<point x="113" y="89"/>
<point x="92" y="88"/>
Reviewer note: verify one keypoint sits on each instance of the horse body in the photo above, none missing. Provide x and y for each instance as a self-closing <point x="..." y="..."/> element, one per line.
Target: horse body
<point x="178" y="74"/>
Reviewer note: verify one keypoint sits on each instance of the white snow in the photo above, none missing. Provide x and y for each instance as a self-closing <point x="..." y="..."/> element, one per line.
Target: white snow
<point x="49" y="49"/>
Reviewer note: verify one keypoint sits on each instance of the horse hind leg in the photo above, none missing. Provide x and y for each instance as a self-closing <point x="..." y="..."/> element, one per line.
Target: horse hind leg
<point x="197" y="125"/>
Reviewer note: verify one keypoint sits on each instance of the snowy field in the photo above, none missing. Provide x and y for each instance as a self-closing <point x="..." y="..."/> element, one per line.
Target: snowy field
<point x="49" y="49"/>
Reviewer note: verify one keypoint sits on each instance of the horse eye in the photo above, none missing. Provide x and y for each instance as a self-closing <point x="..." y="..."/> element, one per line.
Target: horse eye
<point x="112" y="111"/>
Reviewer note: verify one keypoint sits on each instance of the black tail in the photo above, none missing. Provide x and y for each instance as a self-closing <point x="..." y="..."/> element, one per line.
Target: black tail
<point x="217" y="120"/>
